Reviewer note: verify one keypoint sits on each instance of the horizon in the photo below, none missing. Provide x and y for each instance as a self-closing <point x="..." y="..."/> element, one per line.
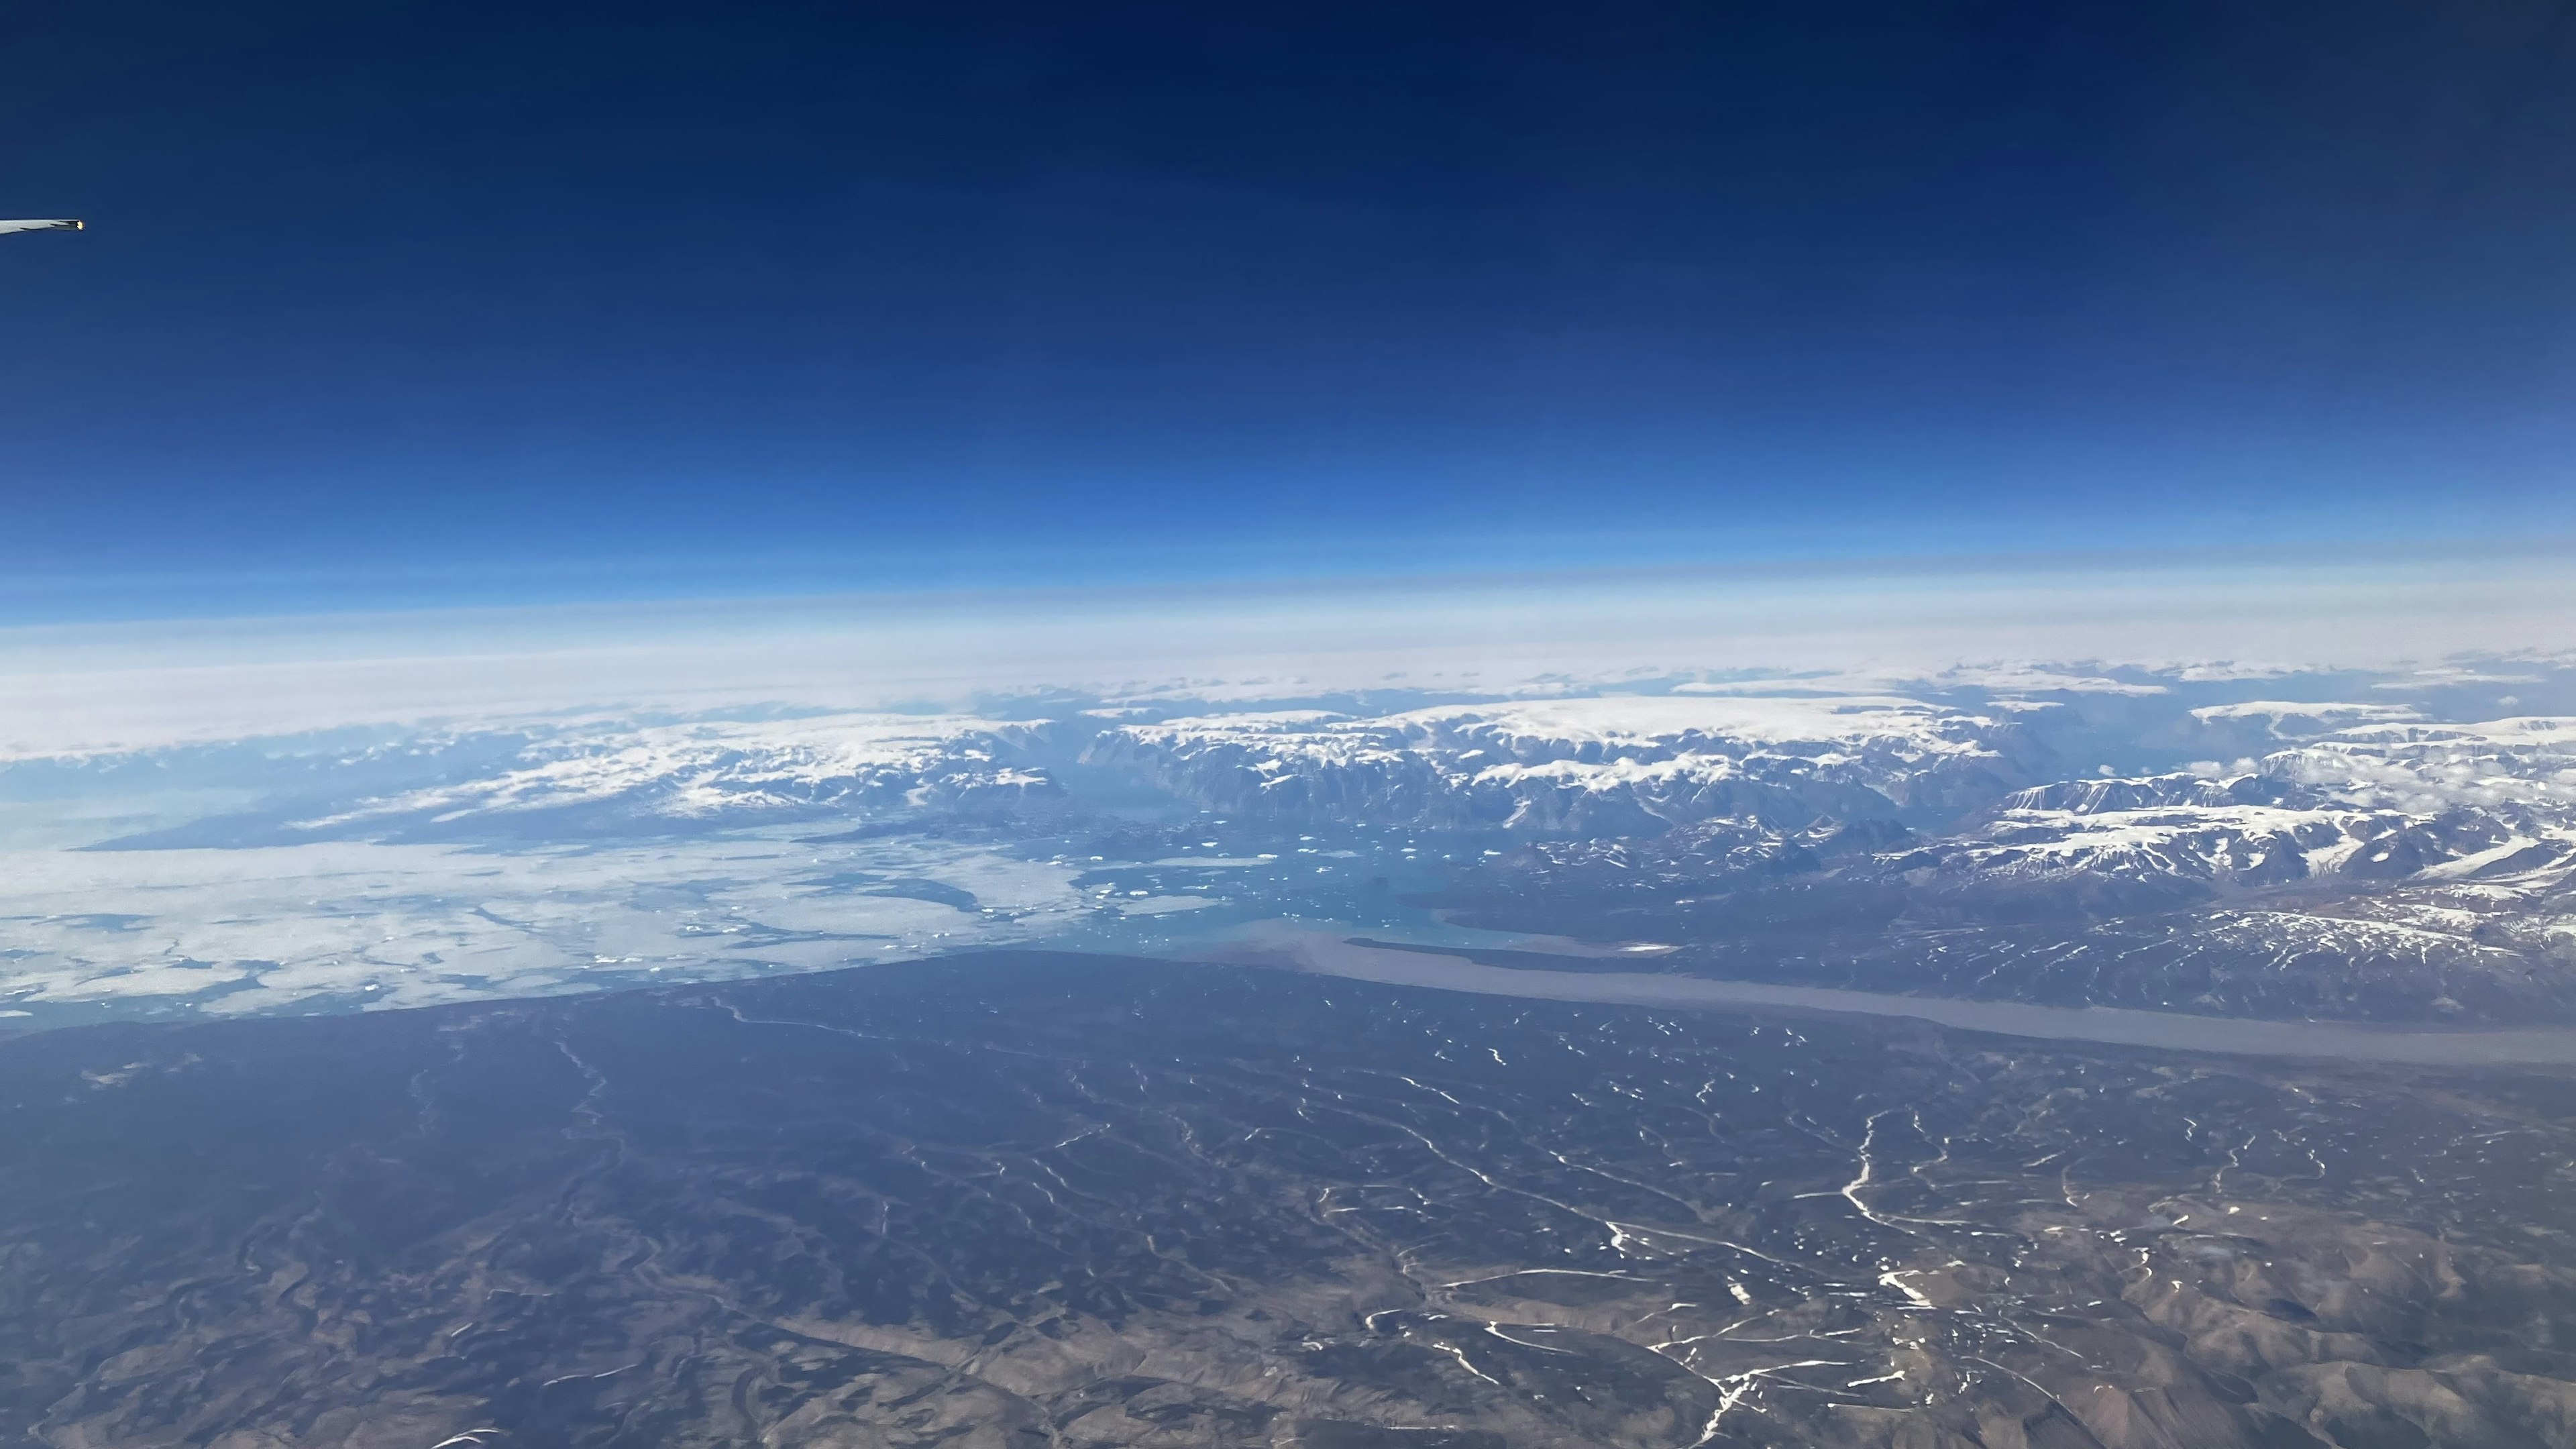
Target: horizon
<point x="90" y="686"/>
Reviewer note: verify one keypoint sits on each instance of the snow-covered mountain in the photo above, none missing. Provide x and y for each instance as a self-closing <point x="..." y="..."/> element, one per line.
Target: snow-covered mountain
<point x="2259" y="843"/>
<point x="604" y="778"/>
<point x="2391" y="867"/>
<point x="730" y="772"/>
<point x="2378" y="802"/>
<point x="1616" y="766"/>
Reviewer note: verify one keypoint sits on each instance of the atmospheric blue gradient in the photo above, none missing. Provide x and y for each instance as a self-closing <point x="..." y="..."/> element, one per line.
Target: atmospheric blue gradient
<point x="466" y="303"/>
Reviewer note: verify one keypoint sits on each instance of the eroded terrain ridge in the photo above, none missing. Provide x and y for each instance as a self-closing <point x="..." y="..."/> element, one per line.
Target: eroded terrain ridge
<point x="1061" y="1202"/>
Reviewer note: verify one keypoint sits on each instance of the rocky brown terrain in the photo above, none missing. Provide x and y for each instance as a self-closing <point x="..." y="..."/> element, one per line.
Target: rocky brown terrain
<point x="1077" y="1201"/>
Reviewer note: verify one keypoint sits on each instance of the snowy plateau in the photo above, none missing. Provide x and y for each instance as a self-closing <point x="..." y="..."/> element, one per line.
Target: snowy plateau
<point x="2291" y="843"/>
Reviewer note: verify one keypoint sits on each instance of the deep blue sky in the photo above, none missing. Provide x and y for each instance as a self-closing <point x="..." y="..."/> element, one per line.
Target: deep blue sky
<point x="398" y="302"/>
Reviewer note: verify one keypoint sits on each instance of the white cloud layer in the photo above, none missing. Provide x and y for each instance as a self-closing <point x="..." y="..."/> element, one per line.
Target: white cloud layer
<point x="104" y="687"/>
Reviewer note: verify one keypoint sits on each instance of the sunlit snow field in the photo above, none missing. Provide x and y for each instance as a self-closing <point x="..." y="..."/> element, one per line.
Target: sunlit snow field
<point x="354" y="924"/>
